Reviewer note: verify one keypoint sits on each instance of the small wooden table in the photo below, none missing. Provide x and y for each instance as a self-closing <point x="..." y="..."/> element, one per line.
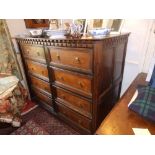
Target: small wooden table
<point x="121" y="120"/>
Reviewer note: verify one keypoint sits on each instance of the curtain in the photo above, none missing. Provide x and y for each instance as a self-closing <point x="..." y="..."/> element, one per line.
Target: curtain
<point x="8" y="61"/>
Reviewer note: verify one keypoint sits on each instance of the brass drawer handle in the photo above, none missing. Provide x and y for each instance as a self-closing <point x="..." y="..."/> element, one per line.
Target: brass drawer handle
<point x="45" y="88"/>
<point x="61" y="78"/>
<point x="58" y="56"/>
<point x="38" y="53"/>
<point x="80" y="83"/>
<point x="81" y="106"/>
<point x="77" y="59"/>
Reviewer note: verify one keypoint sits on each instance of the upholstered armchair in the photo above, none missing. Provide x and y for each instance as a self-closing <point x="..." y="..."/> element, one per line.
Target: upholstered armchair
<point x="12" y="93"/>
<point x="12" y="99"/>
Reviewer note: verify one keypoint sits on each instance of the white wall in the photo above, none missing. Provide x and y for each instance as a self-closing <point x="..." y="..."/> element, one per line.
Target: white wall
<point x="137" y="47"/>
<point x="16" y="27"/>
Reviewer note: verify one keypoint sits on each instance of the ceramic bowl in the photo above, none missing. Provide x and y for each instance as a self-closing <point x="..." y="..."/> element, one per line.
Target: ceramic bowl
<point x="53" y="33"/>
<point x="99" y="32"/>
<point x="36" y="32"/>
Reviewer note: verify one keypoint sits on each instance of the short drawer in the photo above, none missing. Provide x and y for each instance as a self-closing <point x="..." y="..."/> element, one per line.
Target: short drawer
<point x="74" y="116"/>
<point x="41" y="96"/>
<point x="72" y="81"/>
<point x="34" y="52"/>
<point x="45" y="86"/>
<point x="74" y="102"/>
<point x="37" y="68"/>
<point x="77" y="58"/>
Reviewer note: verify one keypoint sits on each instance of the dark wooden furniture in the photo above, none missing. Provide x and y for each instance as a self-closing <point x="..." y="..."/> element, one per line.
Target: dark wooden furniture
<point x="121" y="120"/>
<point x="78" y="80"/>
<point x="36" y="23"/>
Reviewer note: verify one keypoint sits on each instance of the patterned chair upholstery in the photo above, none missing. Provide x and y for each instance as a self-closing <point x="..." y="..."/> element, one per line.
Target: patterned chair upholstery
<point x="12" y="99"/>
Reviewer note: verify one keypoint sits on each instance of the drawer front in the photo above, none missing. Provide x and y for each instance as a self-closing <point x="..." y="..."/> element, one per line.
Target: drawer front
<point x="34" y="52"/>
<point x="73" y="116"/>
<point x="74" y="81"/>
<point x="37" y="68"/>
<point x="40" y="84"/>
<point x="72" y="57"/>
<point x="74" y="102"/>
<point x="41" y="96"/>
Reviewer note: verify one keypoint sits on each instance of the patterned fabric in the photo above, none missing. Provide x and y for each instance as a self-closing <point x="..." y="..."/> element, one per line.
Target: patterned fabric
<point x="144" y="104"/>
<point x="152" y="81"/>
<point x="8" y="63"/>
<point x="12" y="101"/>
<point x="30" y="128"/>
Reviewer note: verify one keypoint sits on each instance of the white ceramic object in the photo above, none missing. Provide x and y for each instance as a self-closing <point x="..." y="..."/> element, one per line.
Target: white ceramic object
<point x="36" y="32"/>
<point x="55" y="33"/>
<point x="99" y="32"/>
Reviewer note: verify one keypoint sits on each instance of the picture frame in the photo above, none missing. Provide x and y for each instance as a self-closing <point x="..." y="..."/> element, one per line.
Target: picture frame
<point x="36" y="23"/>
<point x="113" y="24"/>
<point x="55" y="24"/>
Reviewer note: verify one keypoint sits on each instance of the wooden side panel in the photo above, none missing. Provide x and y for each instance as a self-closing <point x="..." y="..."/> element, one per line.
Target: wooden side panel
<point x="109" y="59"/>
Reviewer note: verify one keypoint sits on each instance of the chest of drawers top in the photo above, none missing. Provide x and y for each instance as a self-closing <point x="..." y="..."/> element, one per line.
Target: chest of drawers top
<point x="84" y="42"/>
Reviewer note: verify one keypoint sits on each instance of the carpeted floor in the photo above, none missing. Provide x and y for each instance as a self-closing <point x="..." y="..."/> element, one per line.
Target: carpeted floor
<point x="46" y="120"/>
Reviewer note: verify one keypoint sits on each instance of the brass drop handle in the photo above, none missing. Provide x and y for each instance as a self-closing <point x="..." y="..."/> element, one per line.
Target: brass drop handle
<point x="45" y="88"/>
<point x="80" y="83"/>
<point x="38" y="53"/>
<point x="58" y="56"/>
<point x="77" y="59"/>
<point x="81" y="106"/>
<point x="61" y="78"/>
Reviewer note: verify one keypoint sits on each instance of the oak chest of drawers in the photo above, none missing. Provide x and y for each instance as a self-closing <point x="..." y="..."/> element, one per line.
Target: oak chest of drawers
<point x="78" y="80"/>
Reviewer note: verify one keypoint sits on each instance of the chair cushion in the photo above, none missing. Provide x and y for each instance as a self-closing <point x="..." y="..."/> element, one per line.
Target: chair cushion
<point x="144" y="104"/>
<point x="152" y="81"/>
